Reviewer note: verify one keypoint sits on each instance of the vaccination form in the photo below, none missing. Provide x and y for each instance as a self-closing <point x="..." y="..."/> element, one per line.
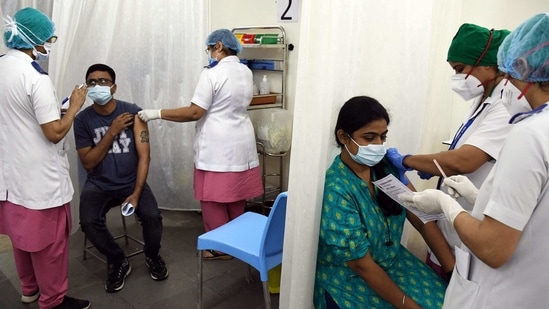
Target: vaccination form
<point x="393" y="187"/>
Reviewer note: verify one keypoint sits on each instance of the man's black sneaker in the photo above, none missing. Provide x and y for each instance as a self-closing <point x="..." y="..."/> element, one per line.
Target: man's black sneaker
<point x="73" y="303"/>
<point x="157" y="268"/>
<point x="117" y="273"/>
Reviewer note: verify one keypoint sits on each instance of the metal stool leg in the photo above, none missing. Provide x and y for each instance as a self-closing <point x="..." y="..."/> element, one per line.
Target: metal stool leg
<point x="199" y="281"/>
<point x="127" y="237"/>
<point x="125" y="229"/>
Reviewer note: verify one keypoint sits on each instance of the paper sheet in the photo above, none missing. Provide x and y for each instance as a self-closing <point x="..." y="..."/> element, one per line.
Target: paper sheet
<point x="393" y="187"/>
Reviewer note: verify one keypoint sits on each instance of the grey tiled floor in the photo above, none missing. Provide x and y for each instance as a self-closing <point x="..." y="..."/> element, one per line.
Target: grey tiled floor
<point x="225" y="284"/>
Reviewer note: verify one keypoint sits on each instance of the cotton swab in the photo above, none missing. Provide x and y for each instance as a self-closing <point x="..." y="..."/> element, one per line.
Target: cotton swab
<point x="439" y="168"/>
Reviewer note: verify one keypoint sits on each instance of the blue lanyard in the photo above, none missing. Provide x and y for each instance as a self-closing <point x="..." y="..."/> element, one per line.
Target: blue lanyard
<point x="520" y="116"/>
<point x="37" y="67"/>
<point x="460" y="133"/>
<point x="465" y="126"/>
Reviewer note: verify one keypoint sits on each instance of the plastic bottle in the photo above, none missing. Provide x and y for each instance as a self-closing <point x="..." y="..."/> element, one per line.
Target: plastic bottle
<point x="264" y="86"/>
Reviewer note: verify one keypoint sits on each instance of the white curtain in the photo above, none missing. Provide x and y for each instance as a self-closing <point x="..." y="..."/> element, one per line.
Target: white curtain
<point x="157" y="51"/>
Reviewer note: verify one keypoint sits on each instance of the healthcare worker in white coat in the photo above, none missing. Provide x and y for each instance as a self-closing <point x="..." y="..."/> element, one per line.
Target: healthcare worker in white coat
<point x="477" y="144"/>
<point x="503" y="260"/>
<point x="226" y="162"/>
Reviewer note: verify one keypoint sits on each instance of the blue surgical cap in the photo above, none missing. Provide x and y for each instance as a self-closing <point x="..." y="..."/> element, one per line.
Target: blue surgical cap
<point x="227" y="38"/>
<point x="524" y="54"/>
<point x="28" y="28"/>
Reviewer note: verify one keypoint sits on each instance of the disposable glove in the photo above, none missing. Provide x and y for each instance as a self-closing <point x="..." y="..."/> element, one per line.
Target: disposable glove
<point x="396" y="159"/>
<point x="433" y="201"/>
<point x="460" y="185"/>
<point x="424" y="175"/>
<point x="149" y="114"/>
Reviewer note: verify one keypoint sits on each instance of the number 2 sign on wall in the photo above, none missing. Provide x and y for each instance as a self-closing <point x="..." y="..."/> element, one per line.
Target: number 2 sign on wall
<point x="287" y="11"/>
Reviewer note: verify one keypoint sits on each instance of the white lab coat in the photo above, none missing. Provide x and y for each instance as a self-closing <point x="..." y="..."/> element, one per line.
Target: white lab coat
<point x="34" y="172"/>
<point x="224" y="138"/>
<point x="487" y="132"/>
<point x="516" y="194"/>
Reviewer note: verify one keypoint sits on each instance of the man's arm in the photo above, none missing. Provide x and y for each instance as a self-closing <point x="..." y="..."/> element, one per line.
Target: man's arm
<point x="142" y="145"/>
<point x="92" y="156"/>
<point x="463" y="160"/>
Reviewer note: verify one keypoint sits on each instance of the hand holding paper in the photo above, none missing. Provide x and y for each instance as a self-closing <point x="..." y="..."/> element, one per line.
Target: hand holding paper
<point x="433" y="201"/>
<point x="394" y="188"/>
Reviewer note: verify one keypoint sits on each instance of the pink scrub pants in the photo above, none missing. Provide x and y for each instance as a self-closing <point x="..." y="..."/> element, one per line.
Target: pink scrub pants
<point x="216" y="214"/>
<point x="40" y="265"/>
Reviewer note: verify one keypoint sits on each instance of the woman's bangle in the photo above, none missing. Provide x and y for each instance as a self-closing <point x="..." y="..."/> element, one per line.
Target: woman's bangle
<point x="403" y="301"/>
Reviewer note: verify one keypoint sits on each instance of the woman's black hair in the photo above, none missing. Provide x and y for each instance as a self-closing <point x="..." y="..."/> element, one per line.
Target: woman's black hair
<point x="356" y="113"/>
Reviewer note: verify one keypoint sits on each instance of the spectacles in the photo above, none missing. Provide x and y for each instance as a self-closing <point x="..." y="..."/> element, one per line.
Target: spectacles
<point x="207" y="50"/>
<point x="100" y="82"/>
<point x="53" y="39"/>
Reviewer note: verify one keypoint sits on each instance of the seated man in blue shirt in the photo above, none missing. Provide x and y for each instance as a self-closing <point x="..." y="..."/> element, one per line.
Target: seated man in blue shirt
<point x="113" y="146"/>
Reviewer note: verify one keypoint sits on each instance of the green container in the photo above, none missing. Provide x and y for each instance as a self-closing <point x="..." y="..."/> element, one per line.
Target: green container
<point x="266" y="38"/>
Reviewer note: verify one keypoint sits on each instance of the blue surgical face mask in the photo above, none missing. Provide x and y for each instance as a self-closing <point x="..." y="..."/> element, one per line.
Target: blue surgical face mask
<point x="100" y="94"/>
<point x="368" y="155"/>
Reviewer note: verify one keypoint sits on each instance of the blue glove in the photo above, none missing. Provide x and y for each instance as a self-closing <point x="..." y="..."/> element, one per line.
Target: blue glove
<point x="424" y="175"/>
<point x="403" y="178"/>
<point x="396" y="159"/>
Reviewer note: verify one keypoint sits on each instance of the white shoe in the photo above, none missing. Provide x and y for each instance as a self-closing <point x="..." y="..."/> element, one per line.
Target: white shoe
<point x="31" y="298"/>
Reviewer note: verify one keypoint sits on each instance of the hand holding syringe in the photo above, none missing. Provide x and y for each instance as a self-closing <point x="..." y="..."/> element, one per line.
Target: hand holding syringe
<point x="459" y="186"/>
<point x="79" y="97"/>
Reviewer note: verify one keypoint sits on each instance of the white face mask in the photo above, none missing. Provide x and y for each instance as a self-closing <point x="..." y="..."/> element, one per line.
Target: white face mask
<point x="510" y="100"/>
<point x="368" y="155"/>
<point x="41" y="56"/>
<point x="467" y="88"/>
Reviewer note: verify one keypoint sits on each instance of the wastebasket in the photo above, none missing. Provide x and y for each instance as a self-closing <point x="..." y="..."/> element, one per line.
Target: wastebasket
<point x="273" y="128"/>
<point x="274" y="279"/>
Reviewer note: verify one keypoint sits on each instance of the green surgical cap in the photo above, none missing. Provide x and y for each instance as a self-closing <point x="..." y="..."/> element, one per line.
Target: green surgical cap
<point x="524" y="54"/>
<point x="227" y="38"/>
<point x="28" y="28"/>
<point x="469" y="43"/>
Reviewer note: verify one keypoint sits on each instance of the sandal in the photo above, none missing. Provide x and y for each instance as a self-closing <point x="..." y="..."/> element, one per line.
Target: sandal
<point x="214" y="255"/>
